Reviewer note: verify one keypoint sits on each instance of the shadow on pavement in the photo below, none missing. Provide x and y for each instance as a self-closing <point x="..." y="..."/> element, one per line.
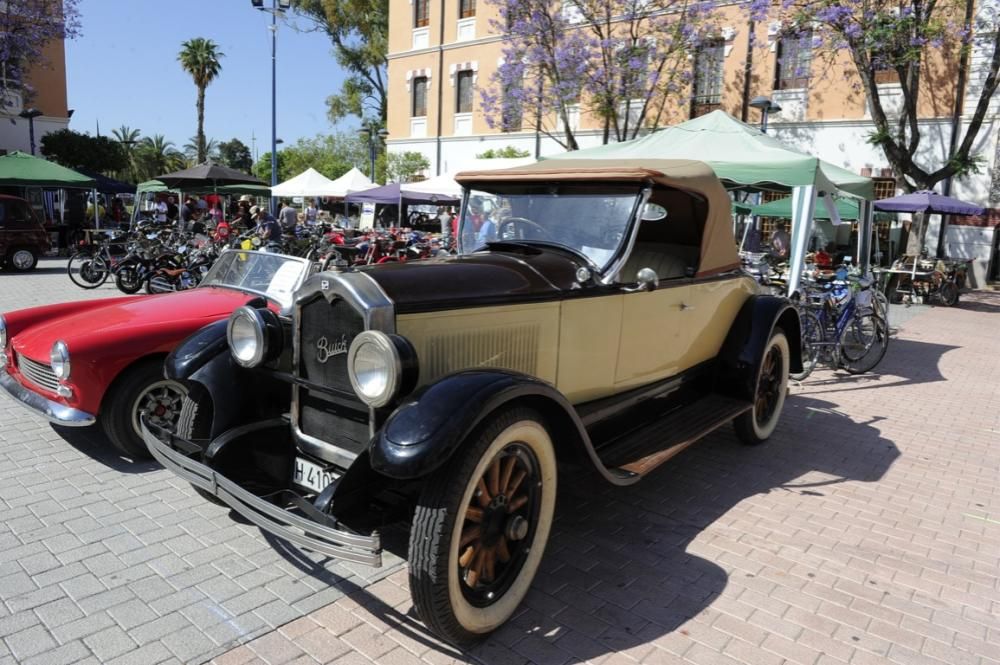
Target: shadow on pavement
<point x="617" y="572"/>
<point x="92" y="442"/>
<point x="906" y="362"/>
<point x="980" y="301"/>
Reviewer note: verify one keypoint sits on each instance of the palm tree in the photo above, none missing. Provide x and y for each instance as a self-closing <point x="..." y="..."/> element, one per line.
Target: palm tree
<point x="129" y="139"/>
<point x="191" y="150"/>
<point x="156" y="155"/>
<point x="200" y="58"/>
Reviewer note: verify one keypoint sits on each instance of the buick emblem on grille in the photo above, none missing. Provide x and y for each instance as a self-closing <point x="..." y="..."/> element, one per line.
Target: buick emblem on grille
<point x="326" y="350"/>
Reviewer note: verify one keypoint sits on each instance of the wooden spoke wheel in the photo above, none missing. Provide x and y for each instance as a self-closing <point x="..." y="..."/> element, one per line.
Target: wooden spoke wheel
<point x="481" y="525"/>
<point x="757" y="424"/>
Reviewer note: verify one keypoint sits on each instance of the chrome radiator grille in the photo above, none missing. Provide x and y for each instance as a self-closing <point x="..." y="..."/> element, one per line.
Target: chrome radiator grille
<point x="327" y="330"/>
<point x="37" y="373"/>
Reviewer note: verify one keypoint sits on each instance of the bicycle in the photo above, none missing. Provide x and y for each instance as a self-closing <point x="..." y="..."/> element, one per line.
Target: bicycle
<point x="843" y="323"/>
<point x="90" y="266"/>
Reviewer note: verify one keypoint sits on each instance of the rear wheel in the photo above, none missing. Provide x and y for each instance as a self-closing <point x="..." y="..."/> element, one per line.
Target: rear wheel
<point x="480" y="528"/>
<point x="22" y="259"/>
<point x="87" y="270"/>
<point x="812" y="343"/>
<point x="129" y="279"/>
<point x="757" y="424"/>
<point x="876" y="333"/>
<point x="948" y="294"/>
<point x="141" y="390"/>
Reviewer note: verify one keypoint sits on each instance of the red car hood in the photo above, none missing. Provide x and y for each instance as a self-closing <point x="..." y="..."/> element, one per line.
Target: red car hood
<point x="109" y="324"/>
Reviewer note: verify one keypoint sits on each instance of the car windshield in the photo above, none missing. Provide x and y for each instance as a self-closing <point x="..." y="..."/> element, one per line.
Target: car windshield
<point x="273" y="275"/>
<point x="582" y="218"/>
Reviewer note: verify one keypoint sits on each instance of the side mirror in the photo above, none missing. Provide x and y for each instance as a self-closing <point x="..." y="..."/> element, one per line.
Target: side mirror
<point x="647" y="280"/>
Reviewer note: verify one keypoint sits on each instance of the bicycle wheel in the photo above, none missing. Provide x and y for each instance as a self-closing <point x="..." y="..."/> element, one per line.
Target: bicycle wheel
<point x="88" y="271"/>
<point x="875" y="331"/>
<point x="812" y="343"/>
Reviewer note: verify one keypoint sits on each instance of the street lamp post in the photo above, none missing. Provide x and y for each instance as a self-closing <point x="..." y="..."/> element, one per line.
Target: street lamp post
<point x="766" y="107"/>
<point x="374" y="134"/>
<point x="31" y="114"/>
<point x="277" y="8"/>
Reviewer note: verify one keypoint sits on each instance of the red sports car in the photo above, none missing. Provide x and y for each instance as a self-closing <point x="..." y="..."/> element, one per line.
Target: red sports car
<point x="82" y="362"/>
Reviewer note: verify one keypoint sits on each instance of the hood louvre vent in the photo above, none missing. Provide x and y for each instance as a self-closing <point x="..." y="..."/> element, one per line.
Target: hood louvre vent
<point x="512" y="347"/>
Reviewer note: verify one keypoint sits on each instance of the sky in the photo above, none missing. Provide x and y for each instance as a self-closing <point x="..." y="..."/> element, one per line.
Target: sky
<point x="123" y="70"/>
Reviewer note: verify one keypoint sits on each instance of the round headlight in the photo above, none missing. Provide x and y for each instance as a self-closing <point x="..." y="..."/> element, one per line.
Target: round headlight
<point x="374" y="367"/>
<point x="59" y="359"/>
<point x="246" y="336"/>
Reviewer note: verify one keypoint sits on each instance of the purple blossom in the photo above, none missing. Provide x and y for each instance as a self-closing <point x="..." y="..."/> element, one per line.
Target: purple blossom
<point x="26" y="26"/>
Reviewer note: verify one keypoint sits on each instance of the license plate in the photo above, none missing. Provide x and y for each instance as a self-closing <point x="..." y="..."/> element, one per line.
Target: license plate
<point x="312" y="476"/>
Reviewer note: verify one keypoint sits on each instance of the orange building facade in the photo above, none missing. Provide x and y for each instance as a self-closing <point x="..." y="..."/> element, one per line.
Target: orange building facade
<point x="48" y="81"/>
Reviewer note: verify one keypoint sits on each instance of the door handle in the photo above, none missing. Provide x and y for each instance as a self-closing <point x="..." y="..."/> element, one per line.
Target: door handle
<point x="685" y="307"/>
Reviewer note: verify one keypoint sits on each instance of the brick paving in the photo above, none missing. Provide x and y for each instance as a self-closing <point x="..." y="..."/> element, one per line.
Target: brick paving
<point x="866" y="531"/>
<point x="107" y="561"/>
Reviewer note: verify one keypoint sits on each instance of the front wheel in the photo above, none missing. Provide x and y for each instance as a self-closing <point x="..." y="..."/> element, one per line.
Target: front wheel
<point x="948" y="294"/>
<point x="129" y="279"/>
<point x="480" y="528"/>
<point x="757" y="424"/>
<point x="141" y="390"/>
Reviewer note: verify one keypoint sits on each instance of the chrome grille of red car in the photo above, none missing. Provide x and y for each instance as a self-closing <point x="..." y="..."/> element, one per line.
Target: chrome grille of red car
<point x="38" y="373"/>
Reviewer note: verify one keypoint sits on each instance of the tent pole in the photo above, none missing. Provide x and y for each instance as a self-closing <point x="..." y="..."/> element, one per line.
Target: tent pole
<point x="865" y="228"/>
<point x="97" y="203"/>
<point x="803" y="203"/>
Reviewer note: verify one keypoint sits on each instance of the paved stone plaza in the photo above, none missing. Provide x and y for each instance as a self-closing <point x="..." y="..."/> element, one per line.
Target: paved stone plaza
<point x="866" y="531"/>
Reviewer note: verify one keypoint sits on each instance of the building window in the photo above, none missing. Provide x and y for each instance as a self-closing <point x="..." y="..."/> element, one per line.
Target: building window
<point x="885" y="188"/>
<point x="463" y="101"/>
<point x="794" y="61"/>
<point x="708" y="63"/>
<point x="419" y="97"/>
<point x="466" y="8"/>
<point x="512" y="109"/>
<point x="421" y="13"/>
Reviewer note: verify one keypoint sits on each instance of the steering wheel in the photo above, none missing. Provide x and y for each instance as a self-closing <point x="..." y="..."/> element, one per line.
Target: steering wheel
<point x="516" y="222"/>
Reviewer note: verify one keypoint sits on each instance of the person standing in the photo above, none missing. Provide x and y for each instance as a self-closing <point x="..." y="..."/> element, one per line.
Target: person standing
<point x="161" y="211"/>
<point x="311" y="212"/>
<point x="289" y="218"/>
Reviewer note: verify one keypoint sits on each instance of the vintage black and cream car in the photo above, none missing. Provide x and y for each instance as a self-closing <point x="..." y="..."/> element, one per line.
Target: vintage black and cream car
<point x="596" y="315"/>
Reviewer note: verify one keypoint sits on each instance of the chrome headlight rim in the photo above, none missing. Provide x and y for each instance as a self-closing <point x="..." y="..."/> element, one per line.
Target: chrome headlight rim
<point x="253" y="318"/>
<point x="387" y="349"/>
<point x="59" y="360"/>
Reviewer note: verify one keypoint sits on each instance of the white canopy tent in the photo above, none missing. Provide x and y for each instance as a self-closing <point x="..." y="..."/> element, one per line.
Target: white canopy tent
<point x="445" y="184"/>
<point x="313" y="183"/>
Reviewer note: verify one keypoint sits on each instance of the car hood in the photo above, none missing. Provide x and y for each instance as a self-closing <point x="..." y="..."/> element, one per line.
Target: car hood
<point x="115" y="321"/>
<point x="483" y="278"/>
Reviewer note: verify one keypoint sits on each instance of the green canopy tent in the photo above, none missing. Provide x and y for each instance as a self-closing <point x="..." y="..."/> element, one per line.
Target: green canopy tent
<point x="155" y="187"/>
<point x="19" y="169"/>
<point x="745" y="157"/>
<point x="847" y="209"/>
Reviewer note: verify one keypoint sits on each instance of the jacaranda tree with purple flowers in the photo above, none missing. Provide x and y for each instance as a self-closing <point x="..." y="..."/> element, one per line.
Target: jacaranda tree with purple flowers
<point x="623" y="61"/>
<point x="904" y="41"/>
<point x="26" y="26"/>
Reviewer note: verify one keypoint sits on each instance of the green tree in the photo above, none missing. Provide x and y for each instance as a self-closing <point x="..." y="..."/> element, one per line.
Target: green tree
<point x="403" y="166"/>
<point x="128" y="138"/>
<point x="155" y="156"/>
<point x="236" y="155"/>
<point x="359" y="30"/>
<point x="191" y="150"/>
<point x="75" y="150"/>
<point x="333" y="155"/>
<point x="508" y="152"/>
<point x="199" y="57"/>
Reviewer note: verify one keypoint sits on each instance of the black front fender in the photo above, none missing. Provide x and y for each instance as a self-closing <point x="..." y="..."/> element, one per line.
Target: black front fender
<point x="197" y="350"/>
<point x="744" y="346"/>
<point x="426" y="429"/>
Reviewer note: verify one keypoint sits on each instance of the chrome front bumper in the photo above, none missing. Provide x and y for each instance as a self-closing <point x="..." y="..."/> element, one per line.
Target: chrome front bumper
<point x="60" y="414"/>
<point x="281" y="522"/>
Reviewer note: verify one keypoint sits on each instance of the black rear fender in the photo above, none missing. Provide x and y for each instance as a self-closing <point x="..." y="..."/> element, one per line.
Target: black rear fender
<point x="744" y="347"/>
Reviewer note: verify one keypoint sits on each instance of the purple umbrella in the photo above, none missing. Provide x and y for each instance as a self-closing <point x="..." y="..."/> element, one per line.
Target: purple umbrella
<point x="927" y="202"/>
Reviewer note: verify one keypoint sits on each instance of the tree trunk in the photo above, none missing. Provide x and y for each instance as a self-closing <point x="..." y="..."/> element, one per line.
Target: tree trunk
<point x="201" y="124"/>
<point x="915" y="241"/>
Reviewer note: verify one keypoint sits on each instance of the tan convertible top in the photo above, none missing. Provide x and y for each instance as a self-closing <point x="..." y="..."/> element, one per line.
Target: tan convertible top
<point x="718" y="247"/>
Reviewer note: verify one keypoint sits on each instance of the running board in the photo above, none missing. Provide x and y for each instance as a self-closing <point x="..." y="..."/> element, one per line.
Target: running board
<point x="641" y="451"/>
